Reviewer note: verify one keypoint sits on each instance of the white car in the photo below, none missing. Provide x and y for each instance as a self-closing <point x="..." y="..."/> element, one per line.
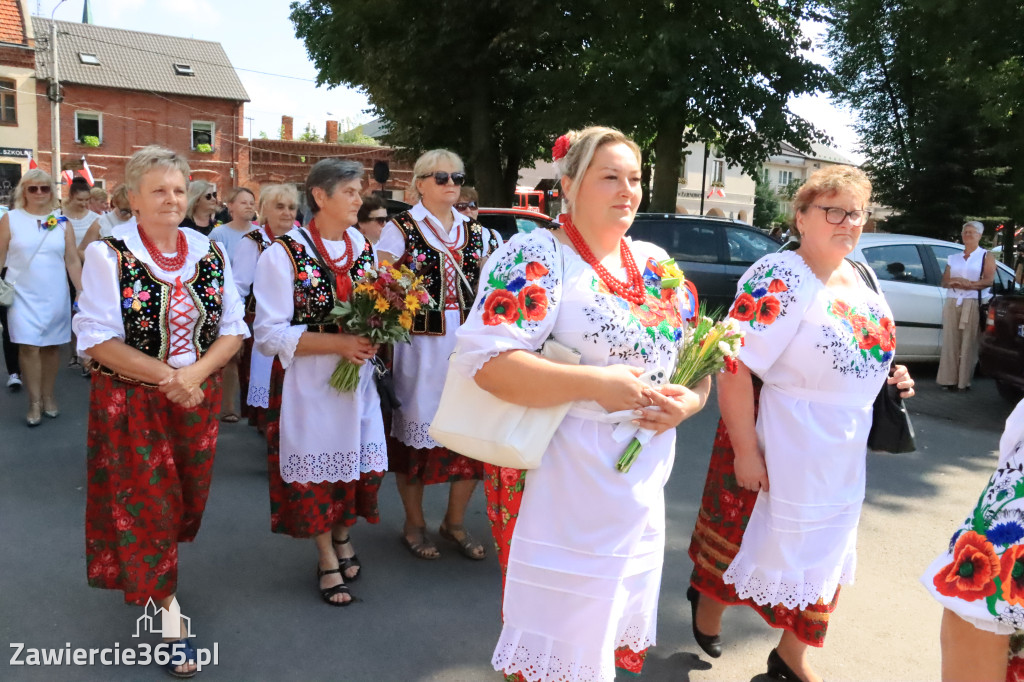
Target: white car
<point x="909" y="269"/>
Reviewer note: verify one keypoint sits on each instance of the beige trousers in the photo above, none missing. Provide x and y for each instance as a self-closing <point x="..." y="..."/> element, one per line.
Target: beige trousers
<point x="959" y="343"/>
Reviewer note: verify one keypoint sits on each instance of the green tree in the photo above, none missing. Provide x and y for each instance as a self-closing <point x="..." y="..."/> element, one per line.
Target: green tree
<point x="357" y="136"/>
<point x="310" y="134"/>
<point x="263" y="135"/>
<point x="766" y="204"/>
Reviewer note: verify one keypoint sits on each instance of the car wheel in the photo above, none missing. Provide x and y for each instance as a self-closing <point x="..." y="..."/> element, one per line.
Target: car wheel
<point x="1009" y="392"/>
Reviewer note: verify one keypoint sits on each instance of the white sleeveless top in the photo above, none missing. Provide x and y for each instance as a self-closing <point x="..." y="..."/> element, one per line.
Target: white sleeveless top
<point x="969" y="269"/>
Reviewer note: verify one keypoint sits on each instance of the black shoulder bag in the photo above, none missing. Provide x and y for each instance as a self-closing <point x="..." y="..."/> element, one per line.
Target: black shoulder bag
<point x="982" y="307"/>
<point x="891" y="429"/>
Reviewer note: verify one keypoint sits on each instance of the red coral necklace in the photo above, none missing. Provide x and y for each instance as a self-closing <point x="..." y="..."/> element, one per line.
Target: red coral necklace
<point x="270" y="235"/>
<point x="632" y="289"/>
<point x="339" y="266"/>
<point x="168" y="264"/>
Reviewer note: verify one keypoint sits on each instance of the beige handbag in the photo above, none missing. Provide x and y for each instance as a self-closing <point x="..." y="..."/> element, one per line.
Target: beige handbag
<point x="478" y="424"/>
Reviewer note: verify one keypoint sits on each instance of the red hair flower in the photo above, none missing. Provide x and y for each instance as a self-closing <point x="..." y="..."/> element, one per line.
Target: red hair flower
<point x="1012" y="575"/>
<point x="768" y="308"/>
<point x="971" y="575"/>
<point x="533" y="301"/>
<point x="776" y="286"/>
<point x="743" y="308"/>
<point x="535" y="270"/>
<point x="501" y="307"/>
<point x="561" y="148"/>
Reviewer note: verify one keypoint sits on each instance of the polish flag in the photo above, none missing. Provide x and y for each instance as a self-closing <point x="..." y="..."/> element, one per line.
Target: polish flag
<point x="68" y="176"/>
<point x="86" y="173"/>
<point x="716" y="192"/>
<point x="31" y="162"/>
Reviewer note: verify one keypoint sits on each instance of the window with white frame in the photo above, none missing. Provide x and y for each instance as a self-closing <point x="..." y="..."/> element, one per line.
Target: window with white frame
<point x="766" y="175"/>
<point x="718" y="171"/>
<point x="88" y="124"/>
<point x="202" y="133"/>
<point x="785" y="177"/>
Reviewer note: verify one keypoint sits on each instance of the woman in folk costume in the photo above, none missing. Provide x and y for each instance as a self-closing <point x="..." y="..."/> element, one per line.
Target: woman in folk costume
<point x="277" y="209"/>
<point x="584" y="571"/>
<point x="777" y="528"/>
<point x="159" y="317"/>
<point x="446" y="248"/>
<point x="326" y="451"/>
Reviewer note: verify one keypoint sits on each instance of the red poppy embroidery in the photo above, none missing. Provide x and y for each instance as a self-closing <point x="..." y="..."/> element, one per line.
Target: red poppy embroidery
<point x="535" y="270"/>
<point x="776" y="286"/>
<point x="533" y="303"/>
<point x="743" y="308"/>
<point x="887" y="329"/>
<point x="840" y="309"/>
<point x="868" y="333"/>
<point x="1012" y="575"/>
<point x="501" y="307"/>
<point x="971" y="574"/>
<point x="768" y="309"/>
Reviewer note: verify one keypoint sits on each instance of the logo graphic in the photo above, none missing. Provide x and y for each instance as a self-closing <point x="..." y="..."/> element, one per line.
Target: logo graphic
<point x="170" y="620"/>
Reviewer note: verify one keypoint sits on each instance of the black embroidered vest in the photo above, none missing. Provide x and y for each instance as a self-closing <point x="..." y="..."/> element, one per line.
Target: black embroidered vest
<point x="313" y="295"/>
<point x="146" y="301"/>
<point x="428" y="262"/>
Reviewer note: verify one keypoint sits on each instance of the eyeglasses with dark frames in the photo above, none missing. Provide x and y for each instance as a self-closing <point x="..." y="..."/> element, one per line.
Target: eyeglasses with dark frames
<point x="465" y="205"/>
<point x="38" y="189"/>
<point x="211" y="195"/>
<point x="441" y="177"/>
<point x="380" y="220"/>
<point x="835" y="215"/>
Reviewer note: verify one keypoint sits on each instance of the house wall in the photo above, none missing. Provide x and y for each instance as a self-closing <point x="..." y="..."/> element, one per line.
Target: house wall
<point x="738" y="187"/>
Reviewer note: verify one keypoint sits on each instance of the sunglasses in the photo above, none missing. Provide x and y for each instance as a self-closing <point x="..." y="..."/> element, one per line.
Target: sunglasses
<point x="465" y="205"/>
<point x="380" y="220"/>
<point x="38" y="189"/>
<point x="211" y="195"/>
<point x="441" y="177"/>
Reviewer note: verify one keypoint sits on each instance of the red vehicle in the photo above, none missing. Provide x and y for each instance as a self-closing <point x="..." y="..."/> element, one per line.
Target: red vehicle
<point x="540" y="200"/>
<point x="509" y="221"/>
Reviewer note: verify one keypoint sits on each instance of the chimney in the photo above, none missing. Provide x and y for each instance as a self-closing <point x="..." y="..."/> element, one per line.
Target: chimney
<point x="286" y="127"/>
<point x="332" y="132"/>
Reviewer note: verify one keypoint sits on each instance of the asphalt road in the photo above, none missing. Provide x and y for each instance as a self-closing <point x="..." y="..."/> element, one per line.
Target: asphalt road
<point x="254" y="594"/>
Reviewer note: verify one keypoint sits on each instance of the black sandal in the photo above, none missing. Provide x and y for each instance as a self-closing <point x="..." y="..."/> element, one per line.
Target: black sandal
<point x="468" y="546"/>
<point x="327" y="592"/>
<point x="346" y="563"/>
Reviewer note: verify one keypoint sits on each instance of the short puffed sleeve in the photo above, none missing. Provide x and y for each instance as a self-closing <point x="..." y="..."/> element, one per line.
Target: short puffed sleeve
<point x="516" y="306"/>
<point x="771" y="299"/>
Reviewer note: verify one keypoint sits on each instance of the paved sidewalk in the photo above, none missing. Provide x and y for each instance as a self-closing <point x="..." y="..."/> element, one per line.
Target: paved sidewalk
<point x="253" y="593"/>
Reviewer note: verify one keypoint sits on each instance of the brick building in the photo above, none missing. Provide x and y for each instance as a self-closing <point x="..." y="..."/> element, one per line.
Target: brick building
<point x="125" y="89"/>
<point x="18" y="101"/>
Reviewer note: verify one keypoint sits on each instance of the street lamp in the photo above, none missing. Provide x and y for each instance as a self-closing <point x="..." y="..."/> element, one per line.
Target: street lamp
<point x="55" y="98"/>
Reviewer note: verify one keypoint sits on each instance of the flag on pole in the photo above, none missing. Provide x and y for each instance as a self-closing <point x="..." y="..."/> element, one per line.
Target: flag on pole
<point x="68" y="176"/>
<point x="31" y="162"/>
<point x="86" y="173"/>
<point x="716" y="192"/>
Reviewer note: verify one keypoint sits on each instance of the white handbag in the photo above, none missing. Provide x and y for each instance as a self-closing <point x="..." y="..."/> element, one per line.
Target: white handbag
<point x="478" y="424"/>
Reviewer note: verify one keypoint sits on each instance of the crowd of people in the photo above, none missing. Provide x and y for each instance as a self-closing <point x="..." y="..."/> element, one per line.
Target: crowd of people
<point x="184" y="321"/>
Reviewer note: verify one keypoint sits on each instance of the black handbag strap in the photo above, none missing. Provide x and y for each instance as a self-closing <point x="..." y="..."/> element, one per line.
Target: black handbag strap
<point x="327" y="272"/>
<point x="864" y="274"/>
<point x="981" y="275"/>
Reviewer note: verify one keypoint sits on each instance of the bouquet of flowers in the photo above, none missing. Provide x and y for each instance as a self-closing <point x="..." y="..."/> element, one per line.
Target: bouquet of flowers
<point x="707" y="347"/>
<point x="381" y="308"/>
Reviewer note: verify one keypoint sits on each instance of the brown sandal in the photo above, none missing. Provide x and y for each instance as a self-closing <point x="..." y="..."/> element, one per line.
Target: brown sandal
<point x="468" y="547"/>
<point x="420" y="547"/>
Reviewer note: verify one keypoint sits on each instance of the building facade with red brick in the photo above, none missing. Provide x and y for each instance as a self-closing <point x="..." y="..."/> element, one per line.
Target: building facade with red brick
<point x="18" y="101"/>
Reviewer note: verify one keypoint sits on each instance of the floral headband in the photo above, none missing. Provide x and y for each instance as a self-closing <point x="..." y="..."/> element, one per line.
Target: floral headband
<point x="561" y="148"/>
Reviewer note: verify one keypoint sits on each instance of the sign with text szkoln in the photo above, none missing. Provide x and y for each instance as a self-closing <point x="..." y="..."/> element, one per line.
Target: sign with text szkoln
<point x="15" y="151"/>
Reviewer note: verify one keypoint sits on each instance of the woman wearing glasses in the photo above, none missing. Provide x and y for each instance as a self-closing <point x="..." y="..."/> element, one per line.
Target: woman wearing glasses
<point x="469" y="201"/>
<point x="202" y="207"/>
<point x="786" y="480"/>
<point x="372" y="217"/>
<point x="37" y="245"/>
<point x="445" y="247"/>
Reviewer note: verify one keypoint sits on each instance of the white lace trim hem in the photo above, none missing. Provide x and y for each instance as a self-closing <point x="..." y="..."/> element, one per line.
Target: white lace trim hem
<point x="334" y="467"/>
<point x="413" y="434"/>
<point x="259" y="396"/>
<point x="543" y="659"/>
<point x="792" y="589"/>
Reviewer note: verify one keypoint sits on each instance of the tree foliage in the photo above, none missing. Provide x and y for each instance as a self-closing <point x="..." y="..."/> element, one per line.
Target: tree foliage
<point x="497" y="81"/>
<point x="310" y="134"/>
<point x="766" y="204"/>
<point x="938" y="93"/>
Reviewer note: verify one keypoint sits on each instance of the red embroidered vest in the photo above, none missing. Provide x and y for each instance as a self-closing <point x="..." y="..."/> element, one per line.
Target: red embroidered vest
<point x="313" y="295"/>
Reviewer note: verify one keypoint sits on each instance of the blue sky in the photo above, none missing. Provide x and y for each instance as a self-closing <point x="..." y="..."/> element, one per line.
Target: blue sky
<point x="257" y="35"/>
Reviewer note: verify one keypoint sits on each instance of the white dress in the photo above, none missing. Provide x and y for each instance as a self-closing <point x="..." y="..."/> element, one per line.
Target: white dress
<point x="41" y="312"/>
<point x="82" y="225"/>
<point x="99" y="318"/>
<point x="586" y="556"/>
<point x="823" y="355"/>
<point x="243" y="261"/>
<point x="420" y="366"/>
<point x="312" y="413"/>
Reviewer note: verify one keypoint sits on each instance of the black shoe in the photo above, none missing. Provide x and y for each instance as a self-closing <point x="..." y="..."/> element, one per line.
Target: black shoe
<point x="711" y="644"/>
<point x="778" y="670"/>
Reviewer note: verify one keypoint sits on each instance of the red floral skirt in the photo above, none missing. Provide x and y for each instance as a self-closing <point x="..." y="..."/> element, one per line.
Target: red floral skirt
<point x="303" y="510"/>
<point x="431" y="465"/>
<point x="724" y="512"/>
<point x="503" y="488"/>
<point x="149" y="464"/>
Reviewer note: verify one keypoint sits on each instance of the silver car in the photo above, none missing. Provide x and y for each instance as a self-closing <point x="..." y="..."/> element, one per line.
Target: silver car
<point x="909" y="269"/>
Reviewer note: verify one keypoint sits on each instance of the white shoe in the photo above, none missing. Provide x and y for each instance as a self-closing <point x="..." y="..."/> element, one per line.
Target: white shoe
<point x="14" y="383"/>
